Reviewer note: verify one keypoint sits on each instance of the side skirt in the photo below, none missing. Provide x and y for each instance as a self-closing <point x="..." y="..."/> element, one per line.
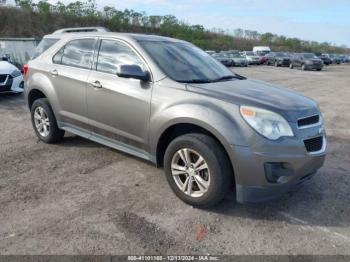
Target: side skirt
<point x="131" y="150"/>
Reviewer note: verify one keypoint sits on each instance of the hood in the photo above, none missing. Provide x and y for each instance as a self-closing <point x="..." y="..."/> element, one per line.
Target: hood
<point x="6" y="68"/>
<point x="289" y="104"/>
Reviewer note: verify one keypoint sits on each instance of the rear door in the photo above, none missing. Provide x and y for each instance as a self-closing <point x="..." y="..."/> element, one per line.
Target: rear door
<point x="69" y="73"/>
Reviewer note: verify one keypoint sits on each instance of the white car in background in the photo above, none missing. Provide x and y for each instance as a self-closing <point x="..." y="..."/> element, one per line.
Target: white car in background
<point x="251" y="57"/>
<point x="11" y="79"/>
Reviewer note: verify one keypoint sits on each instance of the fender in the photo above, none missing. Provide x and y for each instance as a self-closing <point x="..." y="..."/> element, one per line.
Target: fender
<point x="41" y="82"/>
<point x="220" y="122"/>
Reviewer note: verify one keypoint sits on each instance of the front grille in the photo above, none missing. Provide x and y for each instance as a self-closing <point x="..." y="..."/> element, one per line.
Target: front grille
<point x="308" y="120"/>
<point x="3" y="78"/>
<point x="314" y="144"/>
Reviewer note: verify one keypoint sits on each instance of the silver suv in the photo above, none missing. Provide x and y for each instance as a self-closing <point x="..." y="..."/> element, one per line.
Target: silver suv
<point x="167" y="101"/>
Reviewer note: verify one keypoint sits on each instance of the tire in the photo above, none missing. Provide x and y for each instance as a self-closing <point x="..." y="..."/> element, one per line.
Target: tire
<point x="53" y="134"/>
<point x="218" y="171"/>
<point x="319" y="69"/>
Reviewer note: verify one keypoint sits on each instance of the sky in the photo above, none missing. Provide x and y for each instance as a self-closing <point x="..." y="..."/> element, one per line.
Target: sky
<point x="318" y="20"/>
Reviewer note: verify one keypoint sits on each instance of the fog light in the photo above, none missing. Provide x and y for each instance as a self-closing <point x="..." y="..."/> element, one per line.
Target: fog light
<point x="277" y="172"/>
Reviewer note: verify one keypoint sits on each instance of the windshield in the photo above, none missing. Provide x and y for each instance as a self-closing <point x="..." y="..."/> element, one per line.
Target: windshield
<point x="309" y="56"/>
<point x="45" y="44"/>
<point x="183" y="62"/>
<point x="250" y="53"/>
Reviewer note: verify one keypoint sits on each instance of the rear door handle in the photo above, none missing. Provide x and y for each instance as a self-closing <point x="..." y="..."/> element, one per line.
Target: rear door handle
<point x="54" y="72"/>
<point x="96" y="84"/>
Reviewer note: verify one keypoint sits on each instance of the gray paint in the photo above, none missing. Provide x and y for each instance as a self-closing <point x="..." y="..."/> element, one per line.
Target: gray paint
<point x="131" y="115"/>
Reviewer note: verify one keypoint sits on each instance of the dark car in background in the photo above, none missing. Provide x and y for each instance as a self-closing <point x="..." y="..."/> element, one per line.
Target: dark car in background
<point x="278" y="59"/>
<point x="335" y="59"/>
<point x="223" y="59"/>
<point x="307" y="61"/>
<point x="325" y="59"/>
<point x="344" y="59"/>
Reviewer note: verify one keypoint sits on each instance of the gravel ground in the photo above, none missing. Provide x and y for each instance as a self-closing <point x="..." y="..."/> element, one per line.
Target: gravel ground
<point x="79" y="197"/>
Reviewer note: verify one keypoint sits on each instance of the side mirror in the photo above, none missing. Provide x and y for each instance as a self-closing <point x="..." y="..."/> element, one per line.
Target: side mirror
<point x="133" y="71"/>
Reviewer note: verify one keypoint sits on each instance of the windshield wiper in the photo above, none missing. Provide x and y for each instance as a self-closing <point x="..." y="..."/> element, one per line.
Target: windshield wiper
<point x="228" y="77"/>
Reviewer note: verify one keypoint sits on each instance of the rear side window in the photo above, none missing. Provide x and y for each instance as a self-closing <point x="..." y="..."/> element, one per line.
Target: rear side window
<point x="77" y="53"/>
<point x="44" y="44"/>
<point x="114" y="53"/>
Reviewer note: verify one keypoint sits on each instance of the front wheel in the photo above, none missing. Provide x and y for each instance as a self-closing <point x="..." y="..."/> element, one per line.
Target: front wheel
<point x="198" y="170"/>
<point x="44" y="122"/>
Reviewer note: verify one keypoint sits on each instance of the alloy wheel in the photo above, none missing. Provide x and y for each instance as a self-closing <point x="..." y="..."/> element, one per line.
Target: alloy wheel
<point x="42" y="122"/>
<point x="190" y="172"/>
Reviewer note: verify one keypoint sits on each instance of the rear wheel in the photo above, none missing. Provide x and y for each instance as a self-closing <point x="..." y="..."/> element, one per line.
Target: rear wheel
<point x="44" y="122"/>
<point x="198" y="170"/>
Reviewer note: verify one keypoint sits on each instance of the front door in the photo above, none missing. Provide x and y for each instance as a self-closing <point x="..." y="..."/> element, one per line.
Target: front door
<point x="118" y="108"/>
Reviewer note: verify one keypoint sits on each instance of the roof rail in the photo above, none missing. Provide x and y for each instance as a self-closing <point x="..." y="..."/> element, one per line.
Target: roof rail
<point x="81" y="30"/>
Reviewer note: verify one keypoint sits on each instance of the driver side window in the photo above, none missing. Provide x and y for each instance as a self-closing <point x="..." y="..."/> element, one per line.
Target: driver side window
<point x="114" y="53"/>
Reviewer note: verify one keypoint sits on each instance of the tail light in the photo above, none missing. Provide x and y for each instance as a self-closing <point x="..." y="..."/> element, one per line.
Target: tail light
<point x="25" y="70"/>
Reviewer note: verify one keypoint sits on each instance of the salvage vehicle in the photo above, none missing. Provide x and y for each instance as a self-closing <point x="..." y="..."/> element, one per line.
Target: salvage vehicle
<point x="278" y="59"/>
<point x="261" y="50"/>
<point x="335" y="59"/>
<point x="238" y="60"/>
<point x="343" y="59"/>
<point x="223" y="59"/>
<point x="167" y="101"/>
<point x="11" y="78"/>
<point x="251" y="57"/>
<point x="307" y="61"/>
<point x="263" y="59"/>
<point x="325" y="59"/>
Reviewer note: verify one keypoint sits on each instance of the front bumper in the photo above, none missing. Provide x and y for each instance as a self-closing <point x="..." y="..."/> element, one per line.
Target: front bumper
<point x="283" y="62"/>
<point x="302" y="169"/>
<point x="292" y="163"/>
<point x="11" y="84"/>
<point x="313" y="66"/>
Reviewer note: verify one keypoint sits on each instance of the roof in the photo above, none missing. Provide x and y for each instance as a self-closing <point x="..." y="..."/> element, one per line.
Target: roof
<point x="137" y="37"/>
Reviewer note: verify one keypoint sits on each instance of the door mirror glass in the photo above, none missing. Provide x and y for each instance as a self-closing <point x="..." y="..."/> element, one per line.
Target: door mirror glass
<point x="132" y="71"/>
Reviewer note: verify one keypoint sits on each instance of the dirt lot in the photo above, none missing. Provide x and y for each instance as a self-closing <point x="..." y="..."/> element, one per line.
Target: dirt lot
<point x="78" y="197"/>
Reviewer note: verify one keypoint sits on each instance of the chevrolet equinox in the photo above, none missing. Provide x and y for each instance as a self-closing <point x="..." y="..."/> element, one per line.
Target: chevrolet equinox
<point x="167" y="101"/>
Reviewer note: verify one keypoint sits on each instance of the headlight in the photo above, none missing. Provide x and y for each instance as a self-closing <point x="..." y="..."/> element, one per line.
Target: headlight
<point x="16" y="73"/>
<point x="266" y="123"/>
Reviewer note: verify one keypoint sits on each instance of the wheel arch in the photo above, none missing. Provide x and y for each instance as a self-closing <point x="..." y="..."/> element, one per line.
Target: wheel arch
<point x="181" y="128"/>
<point x="34" y="94"/>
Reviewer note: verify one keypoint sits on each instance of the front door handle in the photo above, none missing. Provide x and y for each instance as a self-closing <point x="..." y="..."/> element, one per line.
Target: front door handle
<point x="54" y="72"/>
<point x="96" y="84"/>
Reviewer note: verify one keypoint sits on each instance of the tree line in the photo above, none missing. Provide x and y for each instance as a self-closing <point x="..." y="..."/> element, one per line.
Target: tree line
<point x="29" y="19"/>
